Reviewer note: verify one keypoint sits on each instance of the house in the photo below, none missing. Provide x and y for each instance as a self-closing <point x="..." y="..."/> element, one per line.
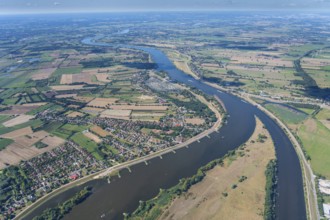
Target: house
<point x="326" y="209"/>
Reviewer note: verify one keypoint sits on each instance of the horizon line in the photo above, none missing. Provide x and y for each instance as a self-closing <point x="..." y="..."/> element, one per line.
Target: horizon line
<point x="163" y="10"/>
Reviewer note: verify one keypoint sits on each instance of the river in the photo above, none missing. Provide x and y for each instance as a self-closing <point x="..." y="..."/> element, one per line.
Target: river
<point x="143" y="183"/>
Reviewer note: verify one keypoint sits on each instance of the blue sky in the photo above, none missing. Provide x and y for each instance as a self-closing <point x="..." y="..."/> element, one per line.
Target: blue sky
<point x="45" y="6"/>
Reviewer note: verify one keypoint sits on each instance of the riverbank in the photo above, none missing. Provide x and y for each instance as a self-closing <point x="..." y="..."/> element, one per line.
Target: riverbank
<point x="214" y="128"/>
<point x="309" y="177"/>
<point x="116" y="169"/>
<point x="233" y="188"/>
<point x="166" y="172"/>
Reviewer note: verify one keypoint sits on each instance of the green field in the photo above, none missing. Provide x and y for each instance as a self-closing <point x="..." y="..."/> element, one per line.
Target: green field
<point x="4" y="118"/>
<point x="49" y="106"/>
<point x="324" y="114"/>
<point x="67" y="70"/>
<point x="86" y="143"/>
<point x="60" y="71"/>
<point x="315" y="138"/>
<point x="33" y="123"/>
<point x="286" y="114"/>
<point x="65" y="131"/>
<point x="307" y="110"/>
<point x="4" y="143"/>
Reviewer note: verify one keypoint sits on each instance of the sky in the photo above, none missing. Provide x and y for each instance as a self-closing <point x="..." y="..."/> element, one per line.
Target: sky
<point x="47" y="6"/>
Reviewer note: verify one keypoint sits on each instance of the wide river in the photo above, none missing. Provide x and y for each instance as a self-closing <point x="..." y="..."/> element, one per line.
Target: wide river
<point x="143" y="183"/>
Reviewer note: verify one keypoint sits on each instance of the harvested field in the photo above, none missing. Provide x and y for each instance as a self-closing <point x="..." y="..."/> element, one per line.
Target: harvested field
<point x="30" y="139"/>
<point x="70" y="87"/>
<point x="92" y="111"/>
<point x="19" y="109"/>
<point x="52" y="141"/>
<point x="17" y="133"/>
<point x="102" y="102"/>
<point x="23" y="148"/>
<point x="66" y="96"/>
<point x="43" y="74"/>
<point x="206" y="200"/>
<point x="119" y="114"/>
<point x="146" y="97"/>
<point x="66" y="79"/>
<point x="77" y="78"/>
<point x="147" y="114"/>
<point x="18" y="120"/>
<point x="92" y="136"/>
<point x="15" y="152"/>
<point x="140" y="107"/>
<point x="99" y="131"/>
<point x="195" y="121"/>
<point x="35" y="104"/>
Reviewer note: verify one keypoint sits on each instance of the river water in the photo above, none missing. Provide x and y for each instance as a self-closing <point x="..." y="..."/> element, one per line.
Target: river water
<point x="144" y="182"/>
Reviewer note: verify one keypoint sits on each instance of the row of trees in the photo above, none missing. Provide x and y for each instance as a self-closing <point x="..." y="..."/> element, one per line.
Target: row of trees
<point x="60" y="210"/>
<point x="149" y="208"/>
<point x="271" y="190"/>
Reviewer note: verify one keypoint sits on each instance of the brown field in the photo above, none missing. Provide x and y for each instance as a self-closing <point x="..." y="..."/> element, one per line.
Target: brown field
<point x="56" y="62"/>
<point x="18" y="133"/>
<point x="147" y="114"/>
<point x="91" y="110"/>
<point x="30" y="139"/>
<point x="146" y="97"/>
<point x="140" y="107"/>
<point x="252" y="57"/>
<point x="92" y="136"/>
<point x="43" y="74"/>
<point x="102" y="102"/>
<point x="19" y="109"/>
<point x="66" y="79"/>
<point x="69" y="87"/>
<point x="34" y="104"/>
<point x="18" y="120"/>
<point x="66" y="96"/>
<point x="205" y="200"/>
<point x="99" y="131"/>
<point x="77" y="78"/>
<point x="23" y="148"/>
<point x="119" y="114"/>
<point x="75" y="114"/>
<point x="52" y="141"/>
<point x="314" y="63"/>
<point x="195" y="121"/>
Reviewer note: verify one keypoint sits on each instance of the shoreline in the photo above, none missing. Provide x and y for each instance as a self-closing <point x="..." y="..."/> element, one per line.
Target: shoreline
<point x="308" y="175"/>
<point x="108" y="171"/>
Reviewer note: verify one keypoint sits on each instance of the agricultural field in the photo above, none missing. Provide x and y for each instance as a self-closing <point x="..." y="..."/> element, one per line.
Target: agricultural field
<point x="62" y="99"/>
<point x="23" y="145"/>
<point x="102" y="102"/>
<point x="314" y="136"/>
<point x="287" y="114"/>
<point x="18" y="120"/>
<point x="86" y="143"/>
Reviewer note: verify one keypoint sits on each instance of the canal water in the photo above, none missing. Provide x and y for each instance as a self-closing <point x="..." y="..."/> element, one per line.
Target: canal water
<point x="123" y="194"/>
